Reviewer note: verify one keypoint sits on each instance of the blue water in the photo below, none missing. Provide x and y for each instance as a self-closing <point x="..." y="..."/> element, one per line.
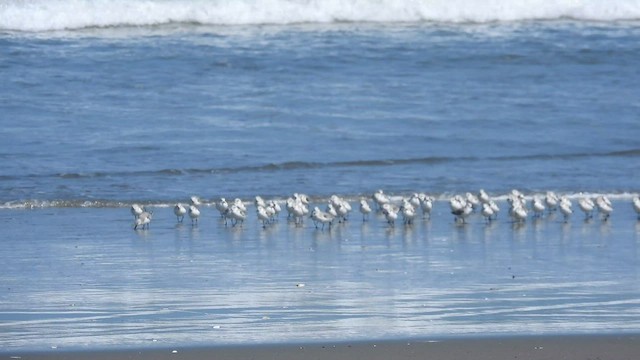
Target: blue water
<point x="155" y="104"/>
<point x="156" y="114"/>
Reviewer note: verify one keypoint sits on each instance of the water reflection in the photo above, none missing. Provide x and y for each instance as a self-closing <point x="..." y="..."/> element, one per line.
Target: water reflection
<point x="360" y="279"/>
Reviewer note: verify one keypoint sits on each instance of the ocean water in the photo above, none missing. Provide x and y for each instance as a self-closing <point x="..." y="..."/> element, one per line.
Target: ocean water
<point x="107" y="103"/>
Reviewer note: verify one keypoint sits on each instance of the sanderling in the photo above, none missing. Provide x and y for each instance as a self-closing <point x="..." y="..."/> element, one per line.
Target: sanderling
<point x="462" y="213"/>
<point x="222" y="206"/>
<point x="487" y="212"/>
<point x="494" y="206"/>
<point x="380" y="198"/>
<point x="237" y="214"/>
<point x="390" y="213"/>
<point x="457" y="203"/>
<point x="472" y="199"/>
<point x="195" y="201"/>
<point x="565" y="208"/>
<point x="342" y="211"/>
<point x="180" y="211"/>
<point x="426" y="204"/>
<point x="365" y="209"/>
<point x="143" y="220"/>
<point x="239" y="204"/>
<point x="319" y="216"/>
<point x="604" y="207"/>
<point x="483" y="196"/>
<point x="537" y="206"/>
<point x="408" y="212"/>
<point x="551" y="199"/>
<point x="136" y="210"/>
<point x="275" y="209"/>
<point x="194" y="214"/>
<point x="587" y="206"/>
<point x="519" y="213"/>
<point x="415" y="200"/>
<point x="259" y="202"/>
<point x="297" y="208"/>
<point x="263" y="215"/>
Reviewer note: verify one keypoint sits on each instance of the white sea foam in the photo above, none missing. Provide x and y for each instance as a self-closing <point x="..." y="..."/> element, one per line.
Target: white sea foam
<point x="353" y="198"/>
<point x="52" y="15"/>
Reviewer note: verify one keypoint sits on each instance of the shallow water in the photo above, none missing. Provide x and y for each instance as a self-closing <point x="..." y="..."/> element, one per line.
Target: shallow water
<point x="84" y="278"/>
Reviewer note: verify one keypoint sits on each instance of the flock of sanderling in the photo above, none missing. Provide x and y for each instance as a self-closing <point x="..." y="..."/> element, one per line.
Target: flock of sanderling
<point x="408" y="208"/>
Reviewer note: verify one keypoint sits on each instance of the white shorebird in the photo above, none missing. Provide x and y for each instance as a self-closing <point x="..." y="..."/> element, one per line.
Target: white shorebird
<point x="483" y="196"/>
<point x="604" y="207"/>
<point x="537" y="206"/>
<point x="264" y="215"/>
<point x="239" y="204"/>
<point x="408" y="212"/>
<point x="136" y="210"/>
<point x="380" y="198"/>
<point x="289" y="204"/>
<point x="222" y="206"/>
<point x="365" y="209"/>
<point x="390" y="213"/>
<point x="551" y="199"/>
<point x="487" y="212"/>
<point x="472" y="199"/>
<point x="195" y="201"/>
<point x="635" y="203"/>
<point x="342" y="207"/>
<point x="271" y="211"/>
<point x="272" y="204"/>
<point x="565" y="208"/>
<point x="457" y="203"/>
<point x="586" y="205"/>
<point x="319" y="216"/>
<point x="426" y="205"/>
<point x="515" y="199"/>
<point x="337" y="200"/>
<point x="194" y="214"/>
<point x="259" y="202"/>
<point x="297" y="209"/>
<point x="342" y="211"/>
<point x="495" y="208"/>
<point x="180" y="211"/>
<point x="331" y="210"/>
<point x="415" y="200"/>
<point x="298" y="212"/>
<point x="301" y="198"/>
<point x="143" y="220"/>
<point x="237" y="215"/>
<point x="519" y="214"/>
<point x="463" y="212"/>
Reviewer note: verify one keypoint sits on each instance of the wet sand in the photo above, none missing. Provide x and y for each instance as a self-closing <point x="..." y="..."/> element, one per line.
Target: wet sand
<point x="522" y="348"/>
<point x="83" y="279"/>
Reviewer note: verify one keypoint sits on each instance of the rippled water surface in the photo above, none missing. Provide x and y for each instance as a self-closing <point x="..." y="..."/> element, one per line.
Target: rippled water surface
<point x="82" y="277"/>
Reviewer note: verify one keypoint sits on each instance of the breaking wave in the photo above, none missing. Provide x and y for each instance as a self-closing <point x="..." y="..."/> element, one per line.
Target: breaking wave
<point x="54" y="15"/>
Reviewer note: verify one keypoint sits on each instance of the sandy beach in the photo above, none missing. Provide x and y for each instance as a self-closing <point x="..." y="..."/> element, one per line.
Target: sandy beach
<point x="618" y="347"/>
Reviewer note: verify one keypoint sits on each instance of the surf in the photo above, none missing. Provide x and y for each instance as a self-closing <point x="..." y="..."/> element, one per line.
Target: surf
<point x="57" y="15"/>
